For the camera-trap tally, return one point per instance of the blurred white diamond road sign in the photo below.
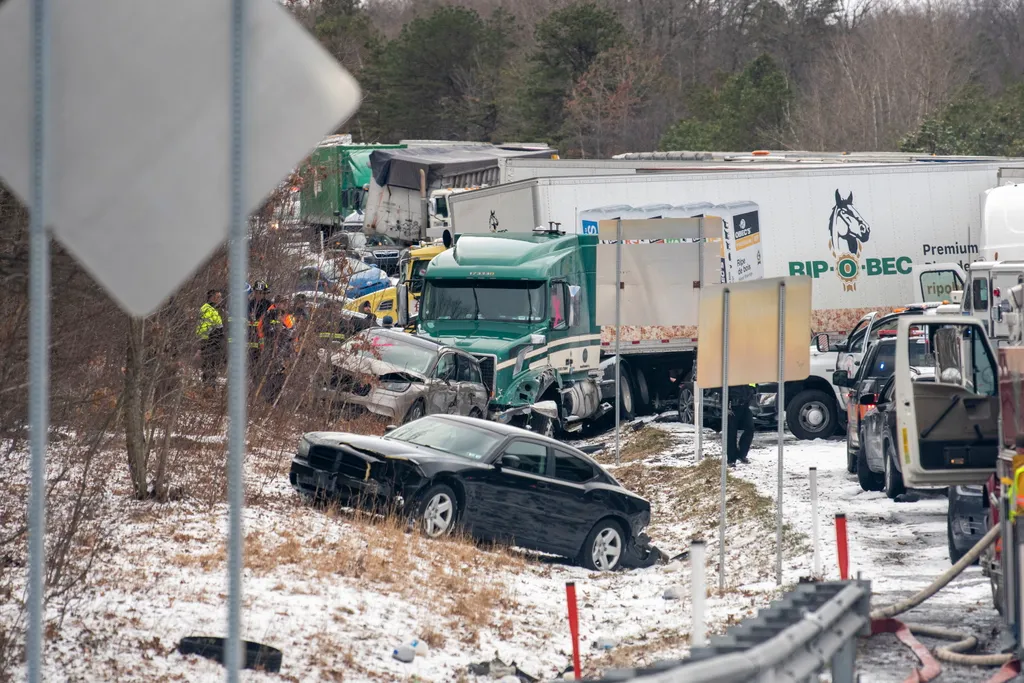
(140, 122)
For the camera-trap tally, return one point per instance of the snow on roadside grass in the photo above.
(336, 591)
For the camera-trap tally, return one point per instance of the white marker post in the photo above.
(699, 590)
(813, 479)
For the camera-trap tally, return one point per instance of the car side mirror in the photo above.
(822, 343)
(390, 428)
(868, 400)
(510, 461)
(841, 378)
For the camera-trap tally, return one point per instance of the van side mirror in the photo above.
(822, 343)
(403, 305)
(868, 400)
(841, 378)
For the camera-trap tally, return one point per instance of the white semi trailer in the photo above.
(858, 229)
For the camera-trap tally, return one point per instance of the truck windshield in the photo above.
(476, 300)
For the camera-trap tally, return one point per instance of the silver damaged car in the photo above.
(401, 377)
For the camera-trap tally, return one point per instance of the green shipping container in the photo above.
(333, 180)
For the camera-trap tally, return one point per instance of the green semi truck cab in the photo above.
(523, 304)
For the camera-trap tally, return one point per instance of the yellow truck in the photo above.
(411, 271)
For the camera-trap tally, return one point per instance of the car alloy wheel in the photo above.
(415, 412)
(438, 515)
(606, 550)
(686, 415)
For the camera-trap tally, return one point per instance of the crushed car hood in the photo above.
(372, 366)
(386, 448)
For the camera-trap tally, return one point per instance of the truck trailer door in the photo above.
(947, 428)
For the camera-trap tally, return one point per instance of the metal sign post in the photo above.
(618, 333)
(238, 267)
(39, 336)
(780, 404)
(698, 393)
(725, 436)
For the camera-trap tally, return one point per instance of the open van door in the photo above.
(947, 429)
(936, 282)
(856, 345)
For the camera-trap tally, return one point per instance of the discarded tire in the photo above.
(257, 655)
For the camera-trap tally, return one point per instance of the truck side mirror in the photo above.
(575, 301)
(841, 378)
(822, 343)
(1017, 293)
(403, 305)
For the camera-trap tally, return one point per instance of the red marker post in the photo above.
(841, 547)
(574, 628)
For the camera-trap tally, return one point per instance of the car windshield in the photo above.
(379, 240)
(393, 349)
(885, 359)
(456, 438)
(491, 300)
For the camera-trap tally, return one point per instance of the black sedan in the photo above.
(496, 482)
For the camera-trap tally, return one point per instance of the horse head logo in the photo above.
(846, 227)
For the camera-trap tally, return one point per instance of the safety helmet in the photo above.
(261, 286)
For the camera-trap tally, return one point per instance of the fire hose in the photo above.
(953, 653)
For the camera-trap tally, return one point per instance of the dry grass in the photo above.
(458, 579)
(640, 445)
(690, 493)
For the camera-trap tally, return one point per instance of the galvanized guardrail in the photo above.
(813, 627)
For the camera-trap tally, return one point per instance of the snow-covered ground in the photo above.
(900, 547)
(337, 593)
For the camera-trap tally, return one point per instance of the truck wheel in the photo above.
(542, 425)
(626, 394)
(812, 414)
(643, 391)
(954, 554)
(686, 414)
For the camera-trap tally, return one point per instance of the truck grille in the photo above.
(322, 458)
(488, 364)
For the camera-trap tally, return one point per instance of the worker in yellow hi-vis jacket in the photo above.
(210, 332)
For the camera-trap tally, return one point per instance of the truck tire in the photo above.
(628, 409)
(643, 391)
(812, 414)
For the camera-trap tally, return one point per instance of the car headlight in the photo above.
(766, 400)
(395, 386)
(303, 450)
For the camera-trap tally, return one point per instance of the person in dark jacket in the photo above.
(370, 319)
(741, 422)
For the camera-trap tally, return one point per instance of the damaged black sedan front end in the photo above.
(495, 482)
